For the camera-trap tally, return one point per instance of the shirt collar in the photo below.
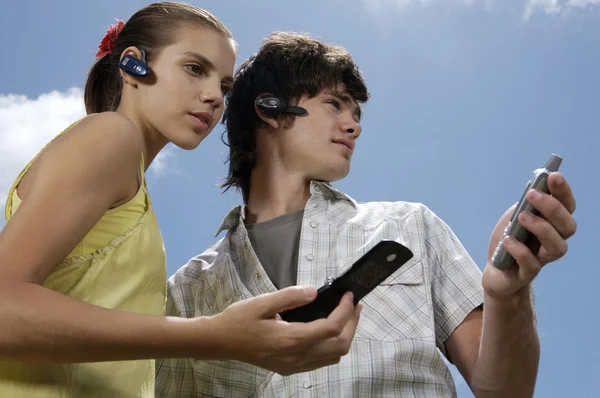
(318, 189)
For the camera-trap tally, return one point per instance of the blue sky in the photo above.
(468, 97)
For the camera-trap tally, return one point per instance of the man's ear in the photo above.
(268, 120)
(127, 78)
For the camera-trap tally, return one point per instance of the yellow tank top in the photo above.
(120, 264)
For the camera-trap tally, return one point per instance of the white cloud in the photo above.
(548, 6)
(163, 163)
(384, 7)
(27, 125)
(554, 6)
(378, 7)
(582, 3)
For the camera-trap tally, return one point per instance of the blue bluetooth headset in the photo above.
(134, 66)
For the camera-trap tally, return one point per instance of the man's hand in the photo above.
(553, 230)
(252, 332)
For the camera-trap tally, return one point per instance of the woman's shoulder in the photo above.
(110, 127)
(102, 148)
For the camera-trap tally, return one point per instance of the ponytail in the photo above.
(103, 87)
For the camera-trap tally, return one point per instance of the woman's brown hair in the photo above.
(149, 29)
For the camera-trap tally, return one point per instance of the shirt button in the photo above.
(307, 384)
(313, 223)
(309, 257)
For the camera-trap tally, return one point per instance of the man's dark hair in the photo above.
(290, 66)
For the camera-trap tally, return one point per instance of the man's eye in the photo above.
(225, 89)
(335, 103)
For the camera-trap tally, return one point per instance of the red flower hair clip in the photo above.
(108, 41)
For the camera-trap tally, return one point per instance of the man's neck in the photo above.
(275, 193)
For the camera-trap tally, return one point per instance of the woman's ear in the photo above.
(137, 53)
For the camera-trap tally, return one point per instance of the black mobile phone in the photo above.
(381, 261)
(501, 259)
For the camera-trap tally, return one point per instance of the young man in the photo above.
(296, 229)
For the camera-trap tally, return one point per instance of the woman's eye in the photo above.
(195, 68)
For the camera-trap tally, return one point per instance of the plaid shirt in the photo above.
(399, 344)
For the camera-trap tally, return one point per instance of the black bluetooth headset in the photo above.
(273, 106)
(134, 66)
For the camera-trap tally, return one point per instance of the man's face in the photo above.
(320, 144)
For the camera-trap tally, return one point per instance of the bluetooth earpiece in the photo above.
(272, 106)
(134, 66)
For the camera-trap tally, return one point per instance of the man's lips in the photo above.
(348, 143)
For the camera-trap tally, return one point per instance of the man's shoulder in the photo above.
(398, 206)
(390, 210)
(199, 266)
(415, 217)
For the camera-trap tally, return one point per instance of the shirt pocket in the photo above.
(398, 308)
(230, 379)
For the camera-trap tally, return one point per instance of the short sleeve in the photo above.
(455, 278)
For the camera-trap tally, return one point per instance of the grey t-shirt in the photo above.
(276, 243)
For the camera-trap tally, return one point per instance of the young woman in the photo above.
(82, 264)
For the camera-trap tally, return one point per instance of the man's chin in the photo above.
(333, 175)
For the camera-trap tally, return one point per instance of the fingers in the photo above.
(553, 243)
(320, 343)
(552, 229)
(322, 329)
(345, 337)
(325, 353)
(339, 345)
(499, 228)
(270, 304)
(561, 190)
(529, 265)
(343, 313)
(308, 366)
(554, 211)
(350, 329)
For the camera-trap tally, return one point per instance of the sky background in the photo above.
(468, 98)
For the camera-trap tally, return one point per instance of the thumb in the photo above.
(270, 304)
(499, 230)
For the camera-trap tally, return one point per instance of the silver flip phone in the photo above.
(501, 259)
